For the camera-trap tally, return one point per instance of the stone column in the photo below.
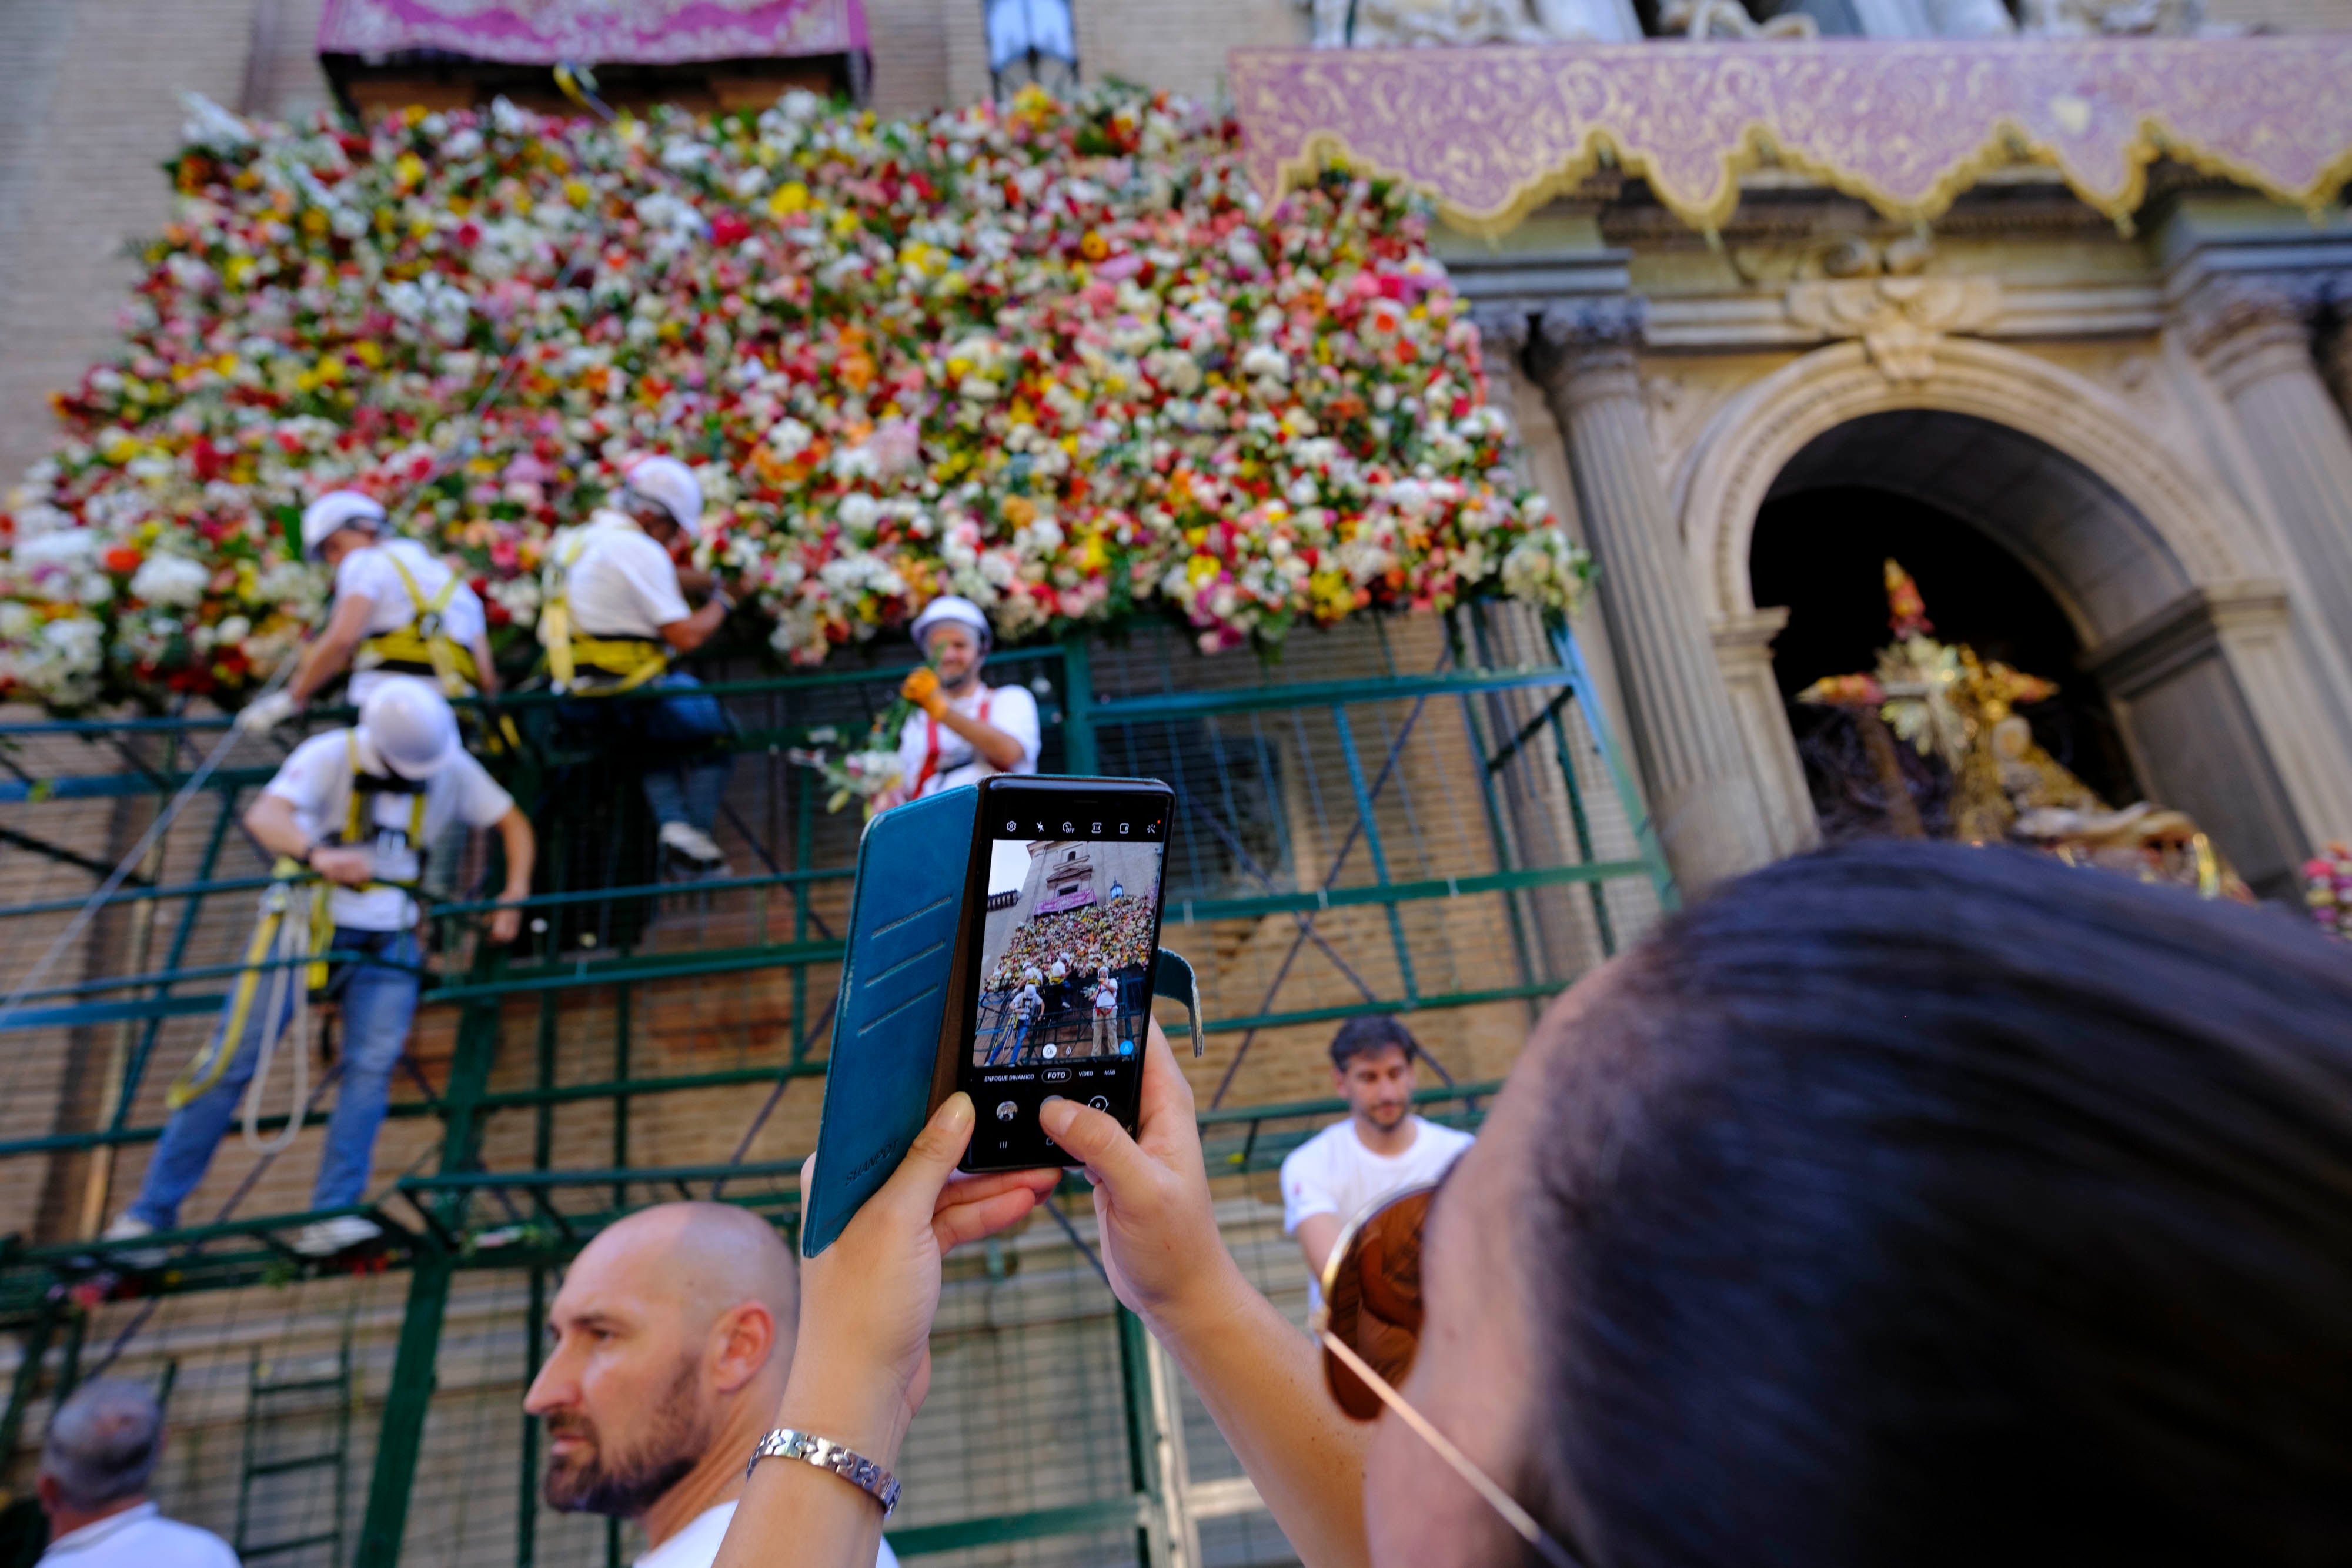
(2253, 339)
(1684, 731)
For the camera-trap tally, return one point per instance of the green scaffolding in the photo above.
(1424, 817)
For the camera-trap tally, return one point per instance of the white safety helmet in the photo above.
(337, 509)
(671, 486)
(410, 726)
(955, 607)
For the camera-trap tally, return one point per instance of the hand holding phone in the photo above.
(1059, 954)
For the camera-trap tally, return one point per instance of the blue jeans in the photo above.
(378, 1002)
(685, 773)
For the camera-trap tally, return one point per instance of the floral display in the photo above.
(2328, 890)
(1051, 355)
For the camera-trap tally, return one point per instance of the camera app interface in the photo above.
(1066, 946)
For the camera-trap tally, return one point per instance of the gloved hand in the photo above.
(922, 687)
(265, 714)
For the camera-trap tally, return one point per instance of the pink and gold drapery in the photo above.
(593, 32)
(1493, 132)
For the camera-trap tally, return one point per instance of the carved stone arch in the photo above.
(2173, 586)
(2196, 535)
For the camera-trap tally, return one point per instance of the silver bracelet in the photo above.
(859, 1471)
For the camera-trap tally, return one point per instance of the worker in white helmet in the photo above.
(357, 806)
(399, 609)
(615, 612)
(965, 730)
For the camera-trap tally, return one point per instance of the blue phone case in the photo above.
(903, 912)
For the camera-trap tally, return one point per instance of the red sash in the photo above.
(931, 746)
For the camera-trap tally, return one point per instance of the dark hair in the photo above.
(1922, 1205)
(1372, 1032)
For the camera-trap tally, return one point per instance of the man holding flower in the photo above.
(964, 730)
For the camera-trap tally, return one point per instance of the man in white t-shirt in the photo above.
(358, 806)
(615, 614)
(1381, 1149)
(102, 1446)
(672, 1342)
(1107, 1041)
(399, 609)
(966, 730)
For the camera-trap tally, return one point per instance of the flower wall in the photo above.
(1050, 355)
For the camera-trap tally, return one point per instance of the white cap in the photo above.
(410, 726)
(337, 509)
(951, 606)
(671, 486)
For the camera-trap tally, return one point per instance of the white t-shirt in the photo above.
(1107, 996)
(316, 779)
(621, 583)
(1009, 709)
(696, 1546)
(139, 1537)
(1333, 1173)
(369, 570)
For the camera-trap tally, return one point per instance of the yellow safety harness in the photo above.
(422, 645)
(630, 662)
(296, 922)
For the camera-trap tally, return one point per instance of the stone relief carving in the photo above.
(1900, 320)
(1375, 24)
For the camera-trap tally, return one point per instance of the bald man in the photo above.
(673, 1338)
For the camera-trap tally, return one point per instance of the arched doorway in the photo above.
(2171, 589)
(1820, 552)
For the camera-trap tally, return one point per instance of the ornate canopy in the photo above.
(1494, 132)
(543, 32)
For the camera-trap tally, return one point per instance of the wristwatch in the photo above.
(859, 1471)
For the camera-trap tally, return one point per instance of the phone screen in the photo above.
(1062, 943)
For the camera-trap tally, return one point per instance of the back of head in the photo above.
(1919, 1205)
(103, 1443)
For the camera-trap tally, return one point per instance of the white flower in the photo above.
(212, 128)
(1267, 362)
(171, 579)
(858, 511)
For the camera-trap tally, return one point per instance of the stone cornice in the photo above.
(1760, 319)
(2154, 649)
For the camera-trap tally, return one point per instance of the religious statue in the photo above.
(1376, 23)
(1959, 710)
(1702, 19)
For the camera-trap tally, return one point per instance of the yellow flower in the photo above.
(408, 171)
(1200, 569)
(314, 222)
(576, 193)
(790, 197)
(369, 353)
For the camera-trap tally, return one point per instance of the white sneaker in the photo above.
(131, 1228)
(695, 852)
(325, 1237)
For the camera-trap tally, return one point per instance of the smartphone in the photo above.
(1053, 983)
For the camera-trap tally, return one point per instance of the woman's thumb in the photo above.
(932, 1157)
(1094, 1138)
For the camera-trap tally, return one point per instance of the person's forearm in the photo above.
(695, 579)
(514, 833)
(486, 669)
(322, 661)
(271, 820)
(1003, 752)
(692, 633)
(1261, 1380)
(795, 1515)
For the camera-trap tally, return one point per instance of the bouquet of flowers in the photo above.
(1054, 356)
(2328, 890)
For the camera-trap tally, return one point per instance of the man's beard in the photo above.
(1386, 1117)
(625, 1486)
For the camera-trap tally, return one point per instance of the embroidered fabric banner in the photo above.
(595, 32)
(1495, 131)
